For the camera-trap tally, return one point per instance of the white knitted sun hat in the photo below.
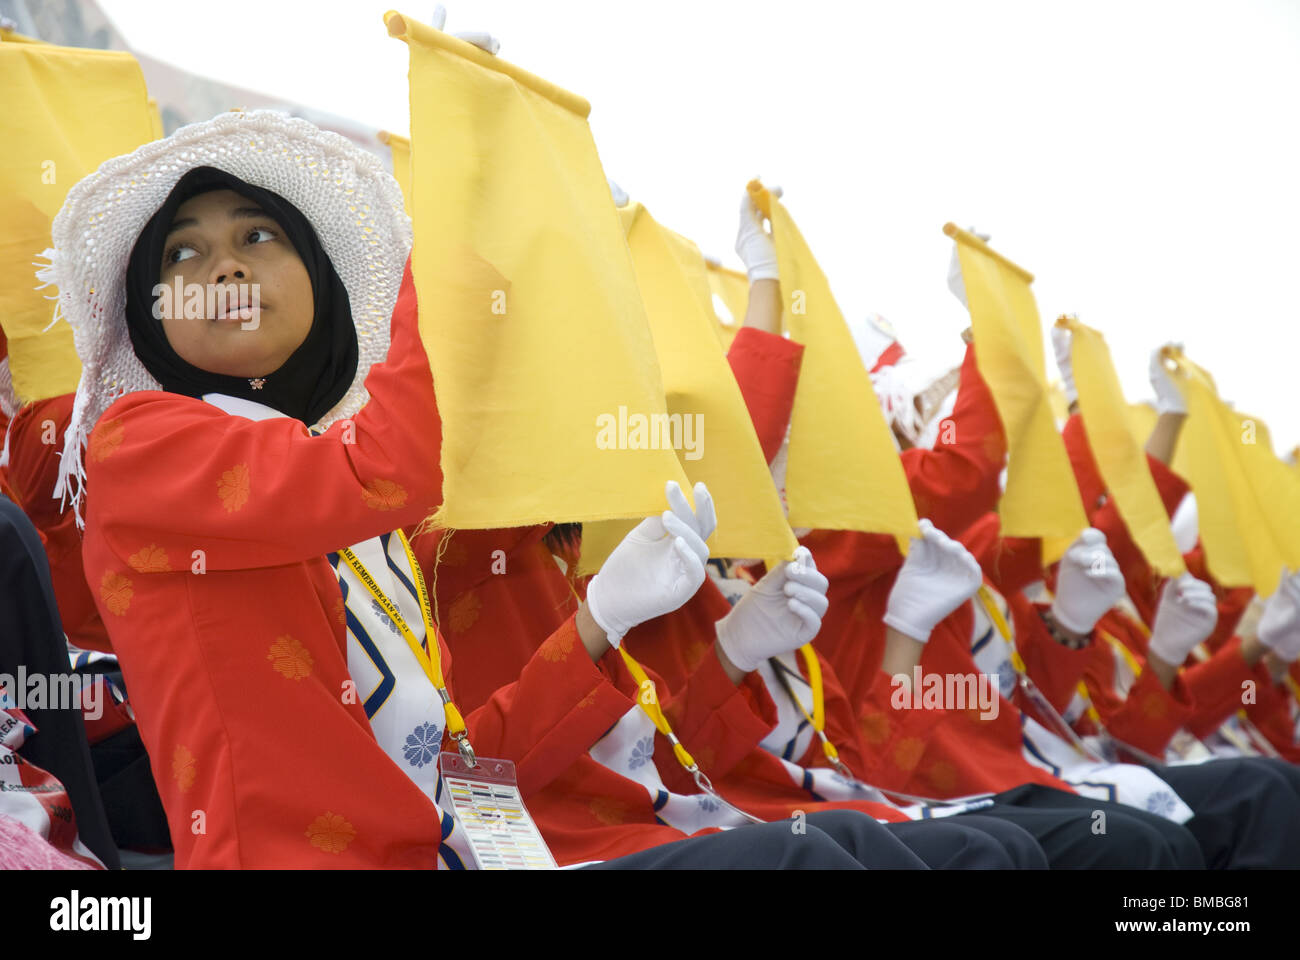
(353, 204)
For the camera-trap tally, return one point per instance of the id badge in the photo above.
(490, 811)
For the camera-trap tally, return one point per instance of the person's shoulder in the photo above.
(147, 417)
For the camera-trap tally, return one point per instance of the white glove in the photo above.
(1187, 614)
(1088, 583)
(1061, 339)
(782, 612)
(955, 281)
(1279, 627)
(484, 41)
(656, 568)
(754, 244)
(1169, 397)
(938, 576)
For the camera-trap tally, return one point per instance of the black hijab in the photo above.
(316, 375)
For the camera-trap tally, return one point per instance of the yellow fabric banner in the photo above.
(1141, 421)
(720, 445)
(400, 149)
(844, 472)
(1247, 513)
(1041, 497)
(66, 111)
(155, 120)
(548, 385)
(732, 288)
(1121, 460)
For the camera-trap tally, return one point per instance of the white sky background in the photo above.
(1141, 158)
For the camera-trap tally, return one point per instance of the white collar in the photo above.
(239, 407)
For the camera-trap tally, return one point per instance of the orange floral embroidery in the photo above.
(453, 554)
(232, 488)
(340, 611)
(1153, 706)
(608, 811)
(115, 590)
(290, 658)
(463, 613)
(184, 767)
(705, 757)
(992, 447)
(588, 701)
(105, 439)
(943, 775)
(150, 559)
(558, 647)
(908, 753)
(331, 833)
(383, 495)
(695, 654)
(875, 728)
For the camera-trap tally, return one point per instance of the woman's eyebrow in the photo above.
(238, 213)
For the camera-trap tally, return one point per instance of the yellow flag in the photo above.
(844, 472)
(1246, 514)
(704, 403)
(66, 110)
(1141, 421)
(529, 310)
(1120, 458)
(400, 148)
(155, 120)
(1041, 497)
(731, 290)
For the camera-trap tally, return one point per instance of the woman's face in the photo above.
(256, 292)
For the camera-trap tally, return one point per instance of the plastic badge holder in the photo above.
(487, 804)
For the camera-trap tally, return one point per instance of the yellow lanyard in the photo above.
(1065, 731)
(431, 659)
(818, 718)
(648, 700)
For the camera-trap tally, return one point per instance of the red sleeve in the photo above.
(1271, 714)
(1010, 563)
(766, 367)
(223, 478)
(957, 482)
(1217, 686)
(1055, 669)
(841, 725)
(718, 722)
(559, 707)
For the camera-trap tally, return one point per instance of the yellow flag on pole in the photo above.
(541, 353)
(66, 111)
(844, 472)
(1120, 458)
(1246, 512)
(1041, 497)
(703, 400)
(400, 149)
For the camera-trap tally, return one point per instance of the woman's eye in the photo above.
(174, 255)
(270, 234)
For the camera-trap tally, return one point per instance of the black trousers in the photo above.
(1247, 810)
(844, 839)
(31, 634)
(1072, 835)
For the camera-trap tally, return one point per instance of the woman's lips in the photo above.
(242, 312)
